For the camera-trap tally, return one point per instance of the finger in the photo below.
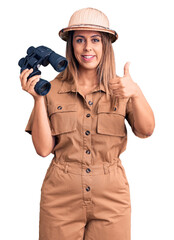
(117, 92)
(114, 81)
(126, 69)
(24, 72)
(119, 95)
(33, 83)
(24, 79)
(25, 76)
(117, 86)
(30, 80)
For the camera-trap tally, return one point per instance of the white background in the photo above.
(146, 39)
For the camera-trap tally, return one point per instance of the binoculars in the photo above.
(42, 56)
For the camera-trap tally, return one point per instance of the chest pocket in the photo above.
(111, 122)
(63, 117)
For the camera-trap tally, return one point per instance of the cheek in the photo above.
(75, 48)
(100, 53)
(75, 54)
(76, 51)
(99, 49)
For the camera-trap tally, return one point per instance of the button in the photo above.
(88, 151)
(88, 170)
(88, 115)
(90, 102)
(115, 108)
(87, 132)
(59, 107)
(88, 189)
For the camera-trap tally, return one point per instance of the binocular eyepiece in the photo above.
(42, 56)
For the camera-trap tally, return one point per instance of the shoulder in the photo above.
(56, 83)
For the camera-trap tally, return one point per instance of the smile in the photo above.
(88, 57)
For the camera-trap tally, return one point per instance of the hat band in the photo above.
(84, 25)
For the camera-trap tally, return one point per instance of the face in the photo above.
(87, 49)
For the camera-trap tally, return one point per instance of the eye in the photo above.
(95, 40)
(79, 40)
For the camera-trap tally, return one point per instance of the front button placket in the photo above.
(87, 135)
(87, 130)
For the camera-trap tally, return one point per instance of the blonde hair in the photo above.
(105, 70)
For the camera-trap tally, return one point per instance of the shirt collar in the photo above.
(70, 87)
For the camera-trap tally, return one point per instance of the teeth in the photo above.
(87, 57)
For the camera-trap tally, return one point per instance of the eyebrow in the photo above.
(91, 36)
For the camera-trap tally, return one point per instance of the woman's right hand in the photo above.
(28, 85)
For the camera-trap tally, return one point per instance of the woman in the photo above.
(85, 193)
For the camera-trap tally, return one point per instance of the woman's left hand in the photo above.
(124, 87)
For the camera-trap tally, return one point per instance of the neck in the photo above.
(87, 78)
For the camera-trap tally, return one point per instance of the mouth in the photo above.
(88, 57)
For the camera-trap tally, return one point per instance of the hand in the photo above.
(28, 85)
(124, 87)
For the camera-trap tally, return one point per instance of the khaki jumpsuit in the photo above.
(85, 193)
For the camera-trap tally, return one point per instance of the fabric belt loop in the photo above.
(66, 168)
(106, 169)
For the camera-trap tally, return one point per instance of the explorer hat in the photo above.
(88, 19)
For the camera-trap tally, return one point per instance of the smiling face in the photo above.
(87, 47)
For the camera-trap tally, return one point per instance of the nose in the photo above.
(87, 46)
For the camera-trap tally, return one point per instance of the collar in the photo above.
(66, 87)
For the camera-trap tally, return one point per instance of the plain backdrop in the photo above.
(146, 39)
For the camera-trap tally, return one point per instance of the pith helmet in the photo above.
(88, 19)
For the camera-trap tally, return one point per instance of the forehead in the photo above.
(86, 33)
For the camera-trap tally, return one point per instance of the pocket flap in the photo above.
(105, 108)
(62, 107)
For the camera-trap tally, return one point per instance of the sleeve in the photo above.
(28, 128)
(29, 124)
(130, 119)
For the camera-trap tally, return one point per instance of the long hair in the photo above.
(105, 69)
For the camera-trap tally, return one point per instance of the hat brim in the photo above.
(63, 33)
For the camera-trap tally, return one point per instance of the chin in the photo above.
(92, 67)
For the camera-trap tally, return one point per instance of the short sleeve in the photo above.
(130, 119)
(28, 128)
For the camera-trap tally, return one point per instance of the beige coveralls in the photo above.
(85, 193)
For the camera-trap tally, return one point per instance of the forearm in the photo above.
(144, 121)
(41, 133)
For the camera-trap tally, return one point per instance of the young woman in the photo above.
(85, 193)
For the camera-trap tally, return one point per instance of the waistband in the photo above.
(83, 169)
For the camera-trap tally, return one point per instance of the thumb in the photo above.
(126, 69)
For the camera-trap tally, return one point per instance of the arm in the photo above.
(139, 113)
(144, 121)
(38, 125)
(41, 133)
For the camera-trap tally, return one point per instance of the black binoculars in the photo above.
(42, 56)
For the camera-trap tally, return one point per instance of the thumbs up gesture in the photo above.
(124, 87)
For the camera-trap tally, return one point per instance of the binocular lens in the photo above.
(62, 64)
(42, 87)
(58, 62)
